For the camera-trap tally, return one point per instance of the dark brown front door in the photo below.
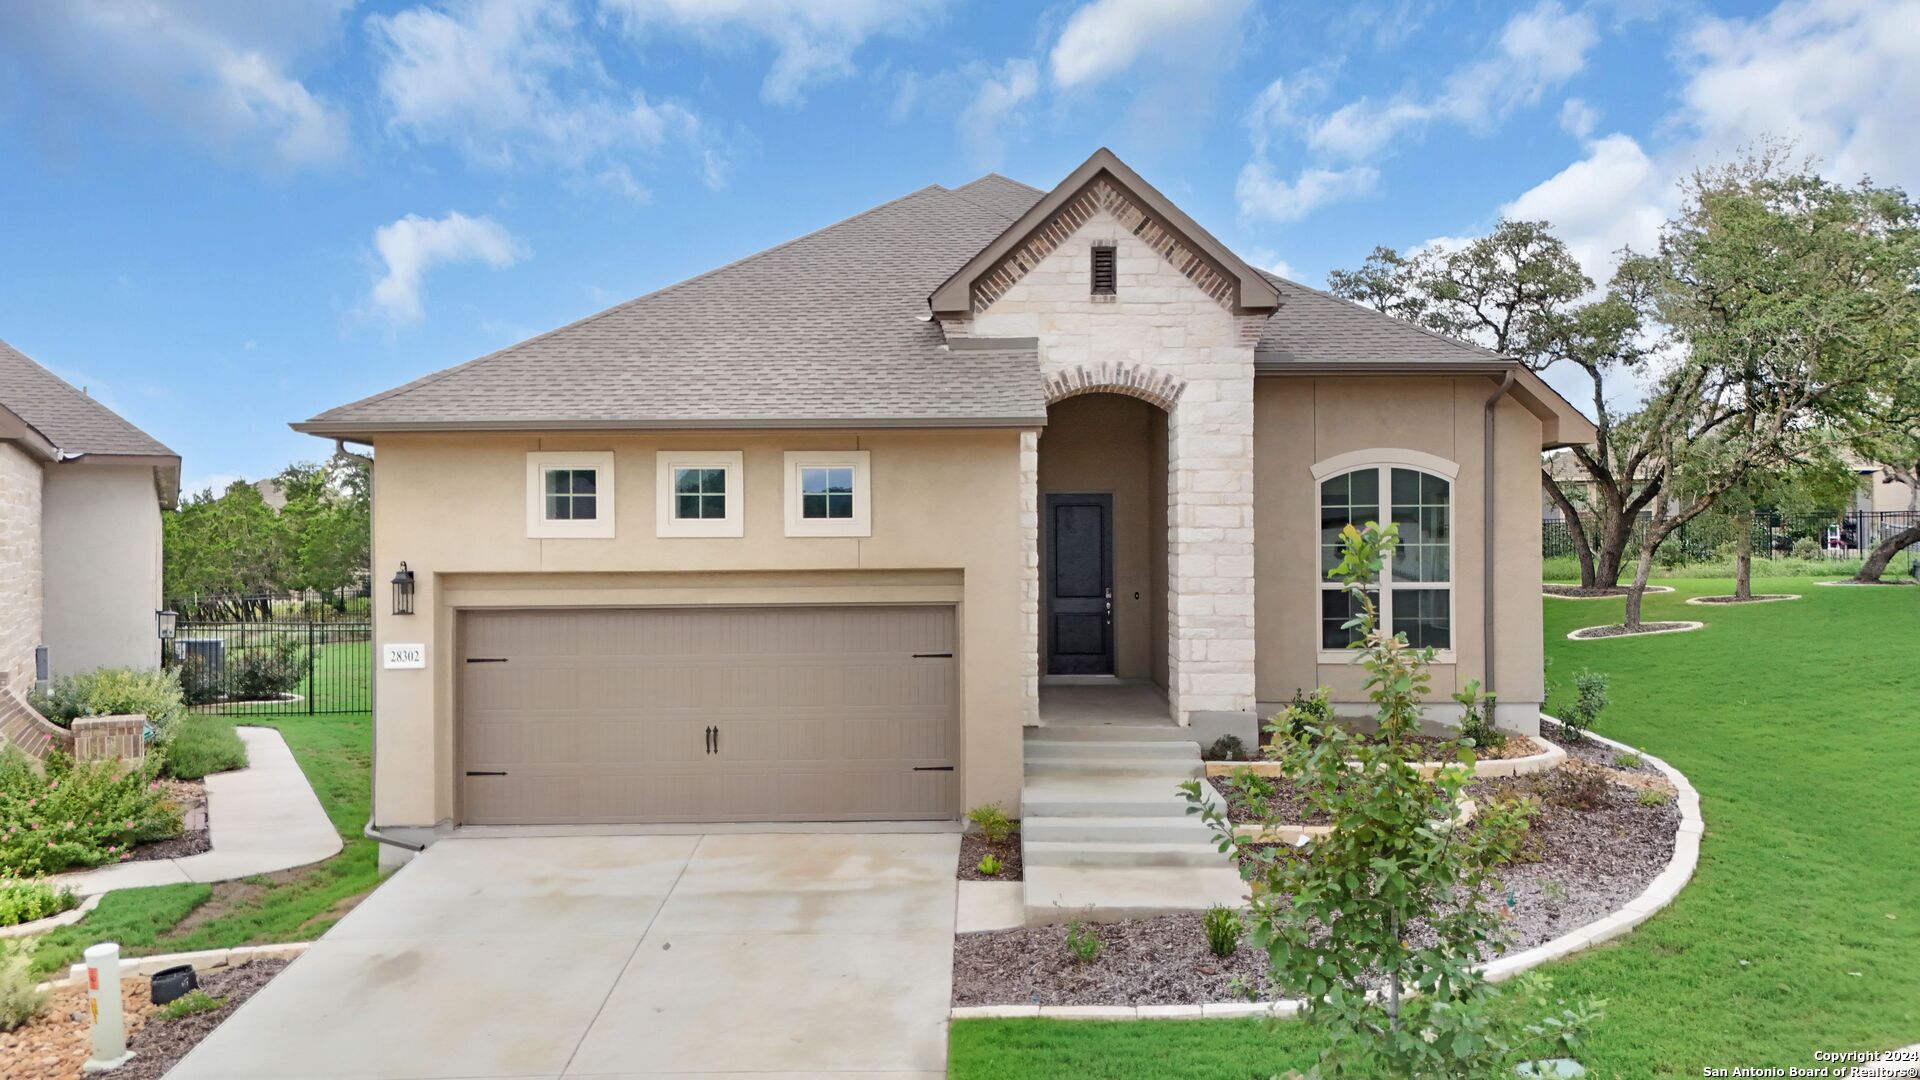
(1079, 583)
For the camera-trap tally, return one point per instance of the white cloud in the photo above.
(1106, 37)
(221, 72)
(1539, 48)
(1278, 107)
(1264, 196)
(1612, 198)
(509, 80)
(813, 40)
(1578, 117)
(994, 104)
(1269, 260)
(414, 245)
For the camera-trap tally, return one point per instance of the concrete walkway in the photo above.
(262, 818)
(781, 956)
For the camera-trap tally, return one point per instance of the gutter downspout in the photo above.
(1486, 526)
(373, 691)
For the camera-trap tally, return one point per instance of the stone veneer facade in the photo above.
(1167, 335)
(21, 571)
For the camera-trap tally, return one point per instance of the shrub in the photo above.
(1305, 714)
(1227, 748)
(198, 684)
(989, 864)
(992, 821)
(1476, 721)
(1082, 943)
(1223, 928)
(1806, 548)
(202, 743)
(1505, 825)
(73, 815)
(114, 692)
(267, 670)
(1627, 761)
(1580, 789)
(20, 1001)
(25, 901)
(1589, 701)
(194, 1001)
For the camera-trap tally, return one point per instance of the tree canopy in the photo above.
(223, 549)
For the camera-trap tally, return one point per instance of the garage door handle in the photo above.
(479, 772)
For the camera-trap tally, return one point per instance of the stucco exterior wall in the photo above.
(103, 550)
(1109, 444)
(947, 528)
(1304, 421)
(1159, 330)
(20, 564)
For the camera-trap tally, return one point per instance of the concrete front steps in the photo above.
(1105, 833)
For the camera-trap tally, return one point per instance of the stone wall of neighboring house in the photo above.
(21, 571)
(102, 566)
(1163, 338)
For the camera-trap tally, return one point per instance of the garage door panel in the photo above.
(601, 716)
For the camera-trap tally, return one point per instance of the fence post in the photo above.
(312, 690)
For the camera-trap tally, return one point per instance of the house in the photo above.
(81, 491)
(816, 534)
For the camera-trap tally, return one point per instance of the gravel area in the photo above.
(974, 847)
(1581, 592)
(162, 1043)
(1591, 849)
(1620, 630)
(1593, 753)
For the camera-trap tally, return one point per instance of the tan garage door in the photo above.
(793, 713)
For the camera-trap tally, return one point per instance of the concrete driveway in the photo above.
(783, 955)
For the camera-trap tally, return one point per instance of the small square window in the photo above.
(828, 493)
(701, 493)
(570, 495)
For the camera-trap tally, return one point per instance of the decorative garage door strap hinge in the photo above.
(484, 772)
(933, 656)
(933, 768)
(486, 659)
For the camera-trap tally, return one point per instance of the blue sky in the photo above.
(221, 216)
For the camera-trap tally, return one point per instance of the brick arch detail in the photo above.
(1149, 384)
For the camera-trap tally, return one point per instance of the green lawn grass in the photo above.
(1799, 723)
(297, 905)
(342, 671)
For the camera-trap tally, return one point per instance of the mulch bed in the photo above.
(190, 796)
(160, 1044)
(1619, 630)
(1581, 592)
(974, 847)
(1288, 801)
(1582, 864)
(1594, 753)
(53, 1045)
(1756, 598)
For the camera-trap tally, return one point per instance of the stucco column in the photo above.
(1210, 663)
(1030, 577)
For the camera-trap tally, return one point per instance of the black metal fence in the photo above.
(309, 655)
(1713, 537)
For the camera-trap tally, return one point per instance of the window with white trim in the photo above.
(570, 494)
(701, 493)
(1415, 593)
(828, 493)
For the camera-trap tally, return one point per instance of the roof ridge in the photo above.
(435, 376)
(1448, 338)
(1000, 176)
(87, 400)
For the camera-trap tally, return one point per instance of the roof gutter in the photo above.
(1486, 527)
(370, 831)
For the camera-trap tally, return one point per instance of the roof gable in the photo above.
(1104, 182)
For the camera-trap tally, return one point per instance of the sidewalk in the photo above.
(262, 818)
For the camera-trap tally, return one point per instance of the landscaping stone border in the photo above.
(1728, 601)
(1686, 627)
(134, 967)
(1657, 895)
(1866, 584)
(40, 926)
(1547, 759)
(1650, 590)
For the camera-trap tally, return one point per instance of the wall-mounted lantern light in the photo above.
(403, 591)
(165, 623)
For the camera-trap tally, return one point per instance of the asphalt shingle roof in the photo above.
(70, 420)
(830, 327)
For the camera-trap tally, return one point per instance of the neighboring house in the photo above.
(81, 491)
(272, 492)
(1884, 490)
(802, 537)
(1573, 480)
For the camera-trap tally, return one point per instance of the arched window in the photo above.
(1415, 594)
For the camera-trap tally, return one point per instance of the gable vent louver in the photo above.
(1105, 278)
